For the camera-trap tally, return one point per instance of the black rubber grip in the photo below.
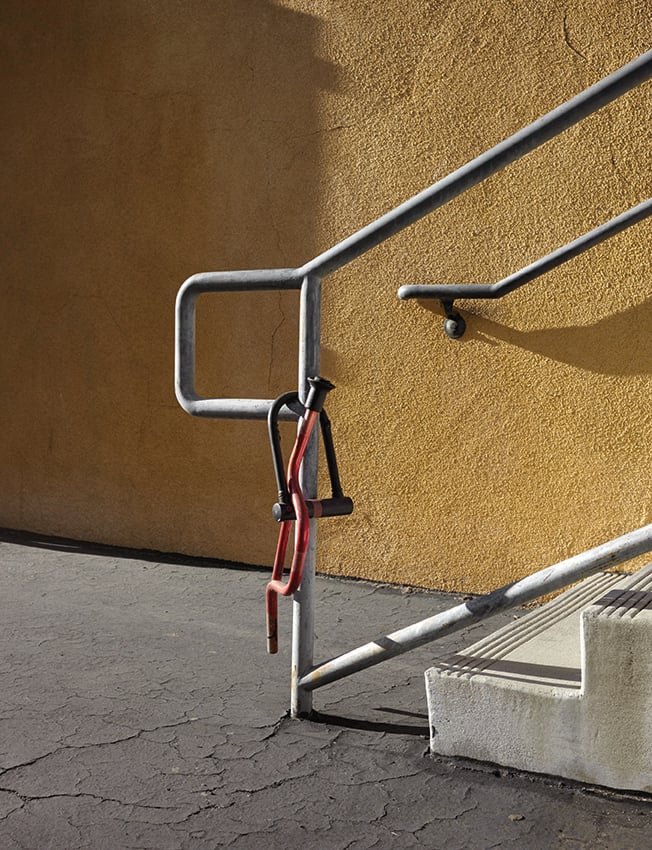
(341, 506)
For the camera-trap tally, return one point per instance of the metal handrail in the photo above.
(496, 158)
(451, 292)
(308, 278)
(479, 169)
(184, 361)
(548, 580)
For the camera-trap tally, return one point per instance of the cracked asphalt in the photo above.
(139, 711)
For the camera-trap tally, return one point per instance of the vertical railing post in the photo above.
(303, 608)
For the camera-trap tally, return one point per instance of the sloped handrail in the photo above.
(560, 575)
(477, 170)
(448, 293)
(508, 284)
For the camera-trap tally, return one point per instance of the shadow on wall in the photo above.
(618, 344)
(143, 143)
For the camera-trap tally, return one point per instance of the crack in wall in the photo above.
(274, 333)
(568, 41)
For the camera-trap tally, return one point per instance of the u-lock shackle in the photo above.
(291, 505)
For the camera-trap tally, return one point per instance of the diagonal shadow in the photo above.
(84, 547)
(618, 344)
(370, 725)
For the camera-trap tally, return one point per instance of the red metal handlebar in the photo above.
(301, 534)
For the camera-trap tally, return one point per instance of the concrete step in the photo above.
(564, 690)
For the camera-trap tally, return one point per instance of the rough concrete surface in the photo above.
(565, 690)
(139, 710)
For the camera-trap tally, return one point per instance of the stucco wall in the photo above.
(149, 141)
(145, 141)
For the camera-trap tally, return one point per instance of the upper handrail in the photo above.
(496, 158)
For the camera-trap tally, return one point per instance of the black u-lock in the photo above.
(338, 504)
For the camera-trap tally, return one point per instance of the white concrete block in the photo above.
(565, 690)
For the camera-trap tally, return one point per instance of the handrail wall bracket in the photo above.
(454, 324)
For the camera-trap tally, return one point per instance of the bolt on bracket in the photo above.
(454, 324)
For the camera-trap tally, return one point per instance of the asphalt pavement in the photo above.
(140, 711)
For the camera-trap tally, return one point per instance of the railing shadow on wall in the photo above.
(617, 344)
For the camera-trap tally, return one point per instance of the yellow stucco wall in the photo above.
(149, 141)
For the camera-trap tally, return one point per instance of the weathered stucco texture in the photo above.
(145, 142)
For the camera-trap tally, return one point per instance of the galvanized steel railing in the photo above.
(307, 278)
(520, 592)
(449, 293)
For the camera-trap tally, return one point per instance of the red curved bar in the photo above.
(301, 535)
